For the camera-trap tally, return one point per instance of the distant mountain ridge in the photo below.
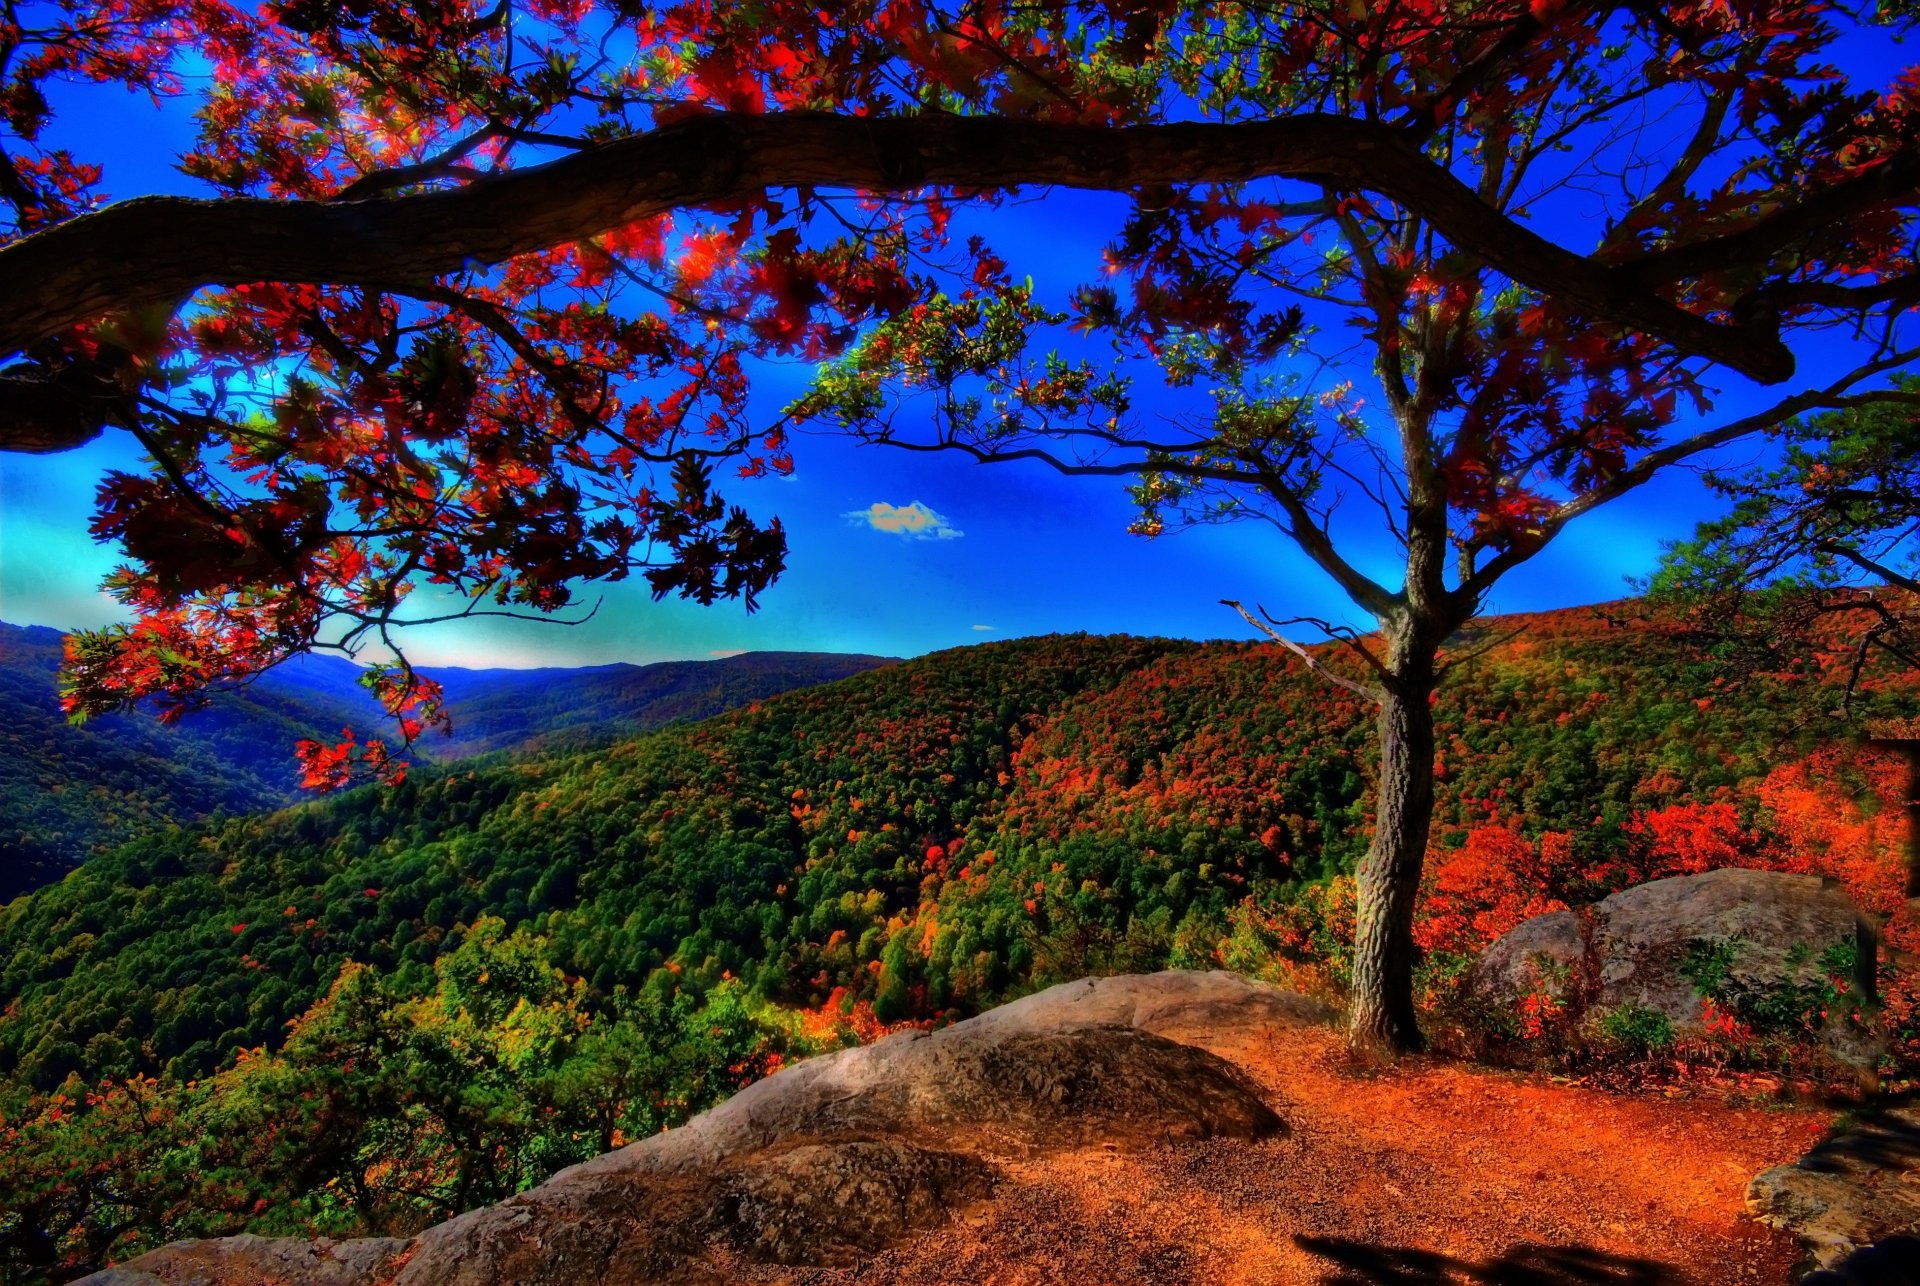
(550, 709)
(69, 792)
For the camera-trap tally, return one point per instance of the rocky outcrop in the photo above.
(1211, 1009)
(267, 1261)
(831, 1159)
(1757, 942)
(1854, 1200)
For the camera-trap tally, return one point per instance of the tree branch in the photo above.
(1316, 543)
(155, 249)
(1647, 466)
(1892, 181)
(1369, 691)
(1866, 564)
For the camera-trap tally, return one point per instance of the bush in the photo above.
(1634, 1030)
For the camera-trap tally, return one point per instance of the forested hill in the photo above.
(557, 709)
(68, 792)
(932, 835)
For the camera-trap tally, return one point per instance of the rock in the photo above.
(260, 1261)
(1183, 1005)
(1045, 1071)
(1854, 1191)
(827, 1204)
(834, 1158)
(1547, 949)
(1893, 1262)
(1763, 942)
(810, 1205)
(980, 1088)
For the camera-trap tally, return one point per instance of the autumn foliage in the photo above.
(909, 845)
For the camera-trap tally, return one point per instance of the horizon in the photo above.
(1485, 618)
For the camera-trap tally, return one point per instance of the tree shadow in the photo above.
(1892, 1262)
(1878, 1138)
(1365, 1264)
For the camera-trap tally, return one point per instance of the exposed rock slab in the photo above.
(1852, 1192)
(1775, 932)
(1191, 1007)
(982, 1090)
(263, 1261)
(817, 1204)
(833, 1158)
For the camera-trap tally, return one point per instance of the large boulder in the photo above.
(833, 1158)
(1765, 946)
(812, 1204)
(266, 1261)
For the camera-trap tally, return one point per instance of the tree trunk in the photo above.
(1382, 1000)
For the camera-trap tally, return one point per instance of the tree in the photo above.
(423, 357)
(1822, 538)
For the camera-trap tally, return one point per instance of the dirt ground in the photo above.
(1432, 1173)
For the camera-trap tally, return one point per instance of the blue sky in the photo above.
(986, 552)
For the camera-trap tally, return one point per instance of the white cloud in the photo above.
(914, 521)
(984, 629)
(723, 652)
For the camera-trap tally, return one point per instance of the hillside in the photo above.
(367, 1014)
(558, 709)
(931, 836)
(67, 793)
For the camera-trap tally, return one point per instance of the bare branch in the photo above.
(1347, 638)
(1866, 564)
(1371, 692)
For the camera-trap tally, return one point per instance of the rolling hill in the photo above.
(365, 1014)
(931, 836)
(68, 793)
(558, 709)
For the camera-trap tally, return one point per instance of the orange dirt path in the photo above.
(1427, 1174)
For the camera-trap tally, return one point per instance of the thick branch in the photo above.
(153, 249)
(1316, 543)
(38, 416)
(1866, 564)
(1901, 291)
(1892, 182)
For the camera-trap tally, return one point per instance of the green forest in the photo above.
(70, 791)
(368, 1012)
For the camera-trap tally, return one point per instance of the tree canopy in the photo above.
(1819, 547)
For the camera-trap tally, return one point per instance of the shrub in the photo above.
(1634, 1030)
